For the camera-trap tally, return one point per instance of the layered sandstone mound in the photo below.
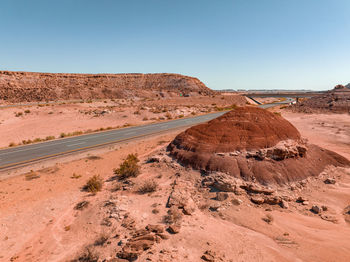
(253, 144)
(334, 101)
(26, 86)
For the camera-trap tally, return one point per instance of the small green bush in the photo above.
(129, 168)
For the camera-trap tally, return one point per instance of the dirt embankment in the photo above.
(30, 87)
(252, 144)
(333, 101)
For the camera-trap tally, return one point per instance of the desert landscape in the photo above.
(251, 185)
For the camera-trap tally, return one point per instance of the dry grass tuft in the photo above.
(32, 175)
(101, 239)
(268, 218)
(148, 186)
(94, 184)
(81, 205)
(89, 255)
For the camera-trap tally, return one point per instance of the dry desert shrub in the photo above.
(103, 237)
(268, 218)
(89, 255)
(81, 205)
(93, 157)
(94, 184)
(75, 176)
(129, 168)
(148, 186)
(32, 175)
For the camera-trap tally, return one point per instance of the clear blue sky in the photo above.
(249, 44)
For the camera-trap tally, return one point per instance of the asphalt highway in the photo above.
(22, 155)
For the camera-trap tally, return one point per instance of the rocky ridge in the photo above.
(32, 87)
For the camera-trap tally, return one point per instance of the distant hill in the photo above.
(30, 87)
(336, 100)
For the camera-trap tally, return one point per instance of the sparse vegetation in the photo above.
(18, 114)
(232, 107)
(81, 205)
(129, 168)
(94, 184)
(32, 175)
(75, 176)
(148, 186)
(101, 239)
(268, 218)
(88, 256)
(94, 157)
(27, 111)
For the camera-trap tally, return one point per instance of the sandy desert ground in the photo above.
(40, 220)
(26, 124)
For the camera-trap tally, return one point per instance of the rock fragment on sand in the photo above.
(174, 229)
(316, 209)
(284, 204)
(257, 200)
(221, 196)
(330, 180)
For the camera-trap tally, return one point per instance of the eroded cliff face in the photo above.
(29, 87)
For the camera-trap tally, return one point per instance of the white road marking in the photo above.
(76, 144)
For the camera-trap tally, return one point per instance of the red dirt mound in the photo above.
(245, 128)
(253, 144)
(30, 87)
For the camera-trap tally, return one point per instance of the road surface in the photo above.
(18, 156)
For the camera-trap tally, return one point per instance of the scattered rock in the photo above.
(253, 188)
(153, 159)
(257, 200)
(316, 209)
(236, 201)
(221, 196)
(330, 181)
(273, 200)
(174, 229)
(155, 228)
(329, 218)
(284, 204)
(128, 255)
(81, 205)
(190, 207)
(209, 256)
